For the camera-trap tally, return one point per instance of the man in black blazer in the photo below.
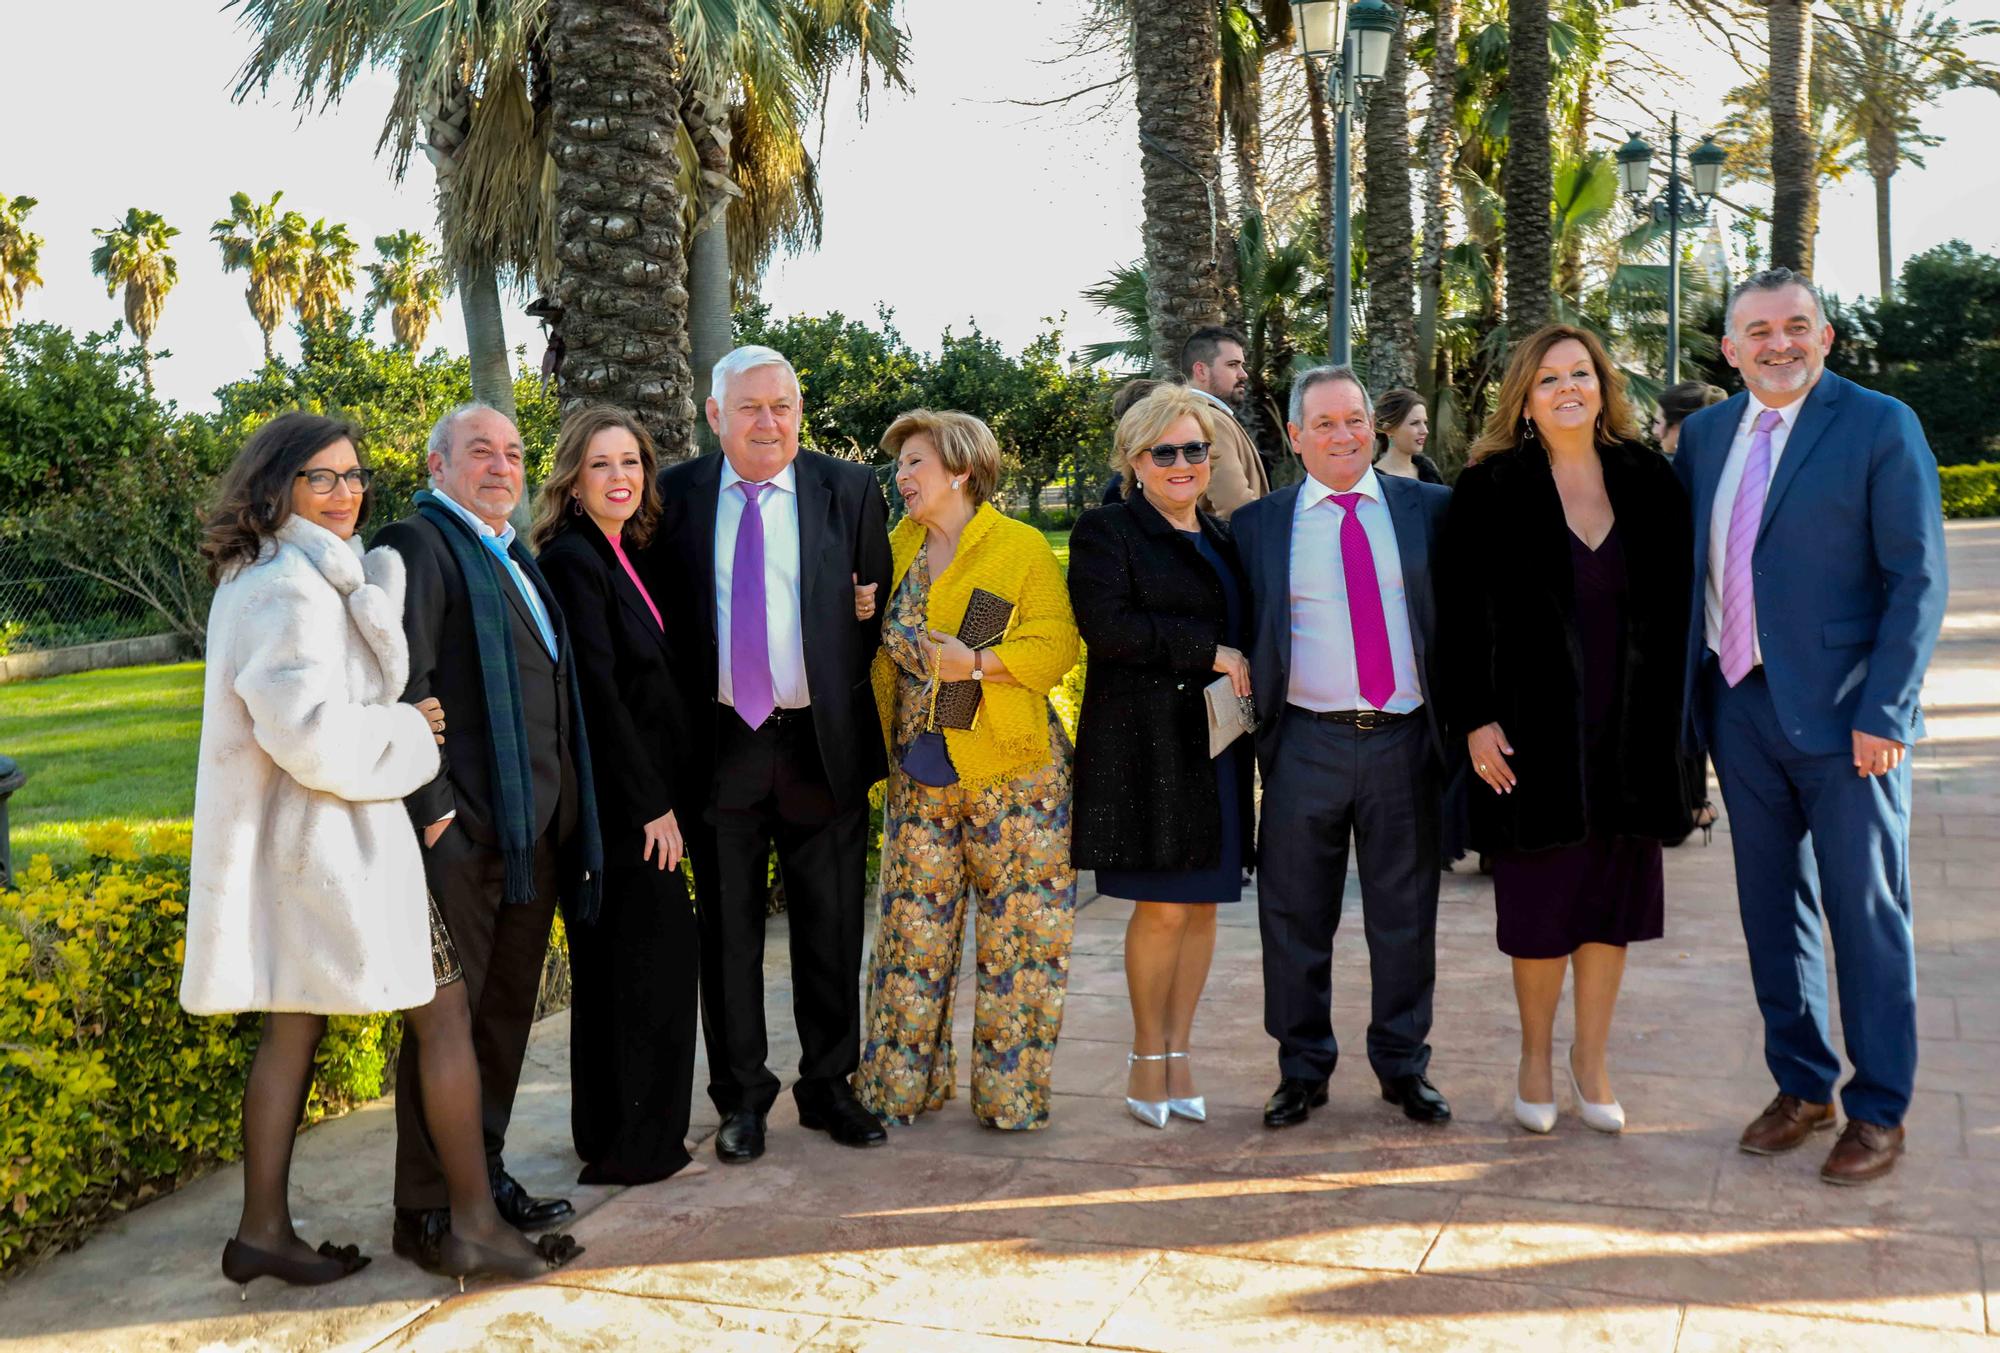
(1343, 626)
(786, 739)
(475, 467)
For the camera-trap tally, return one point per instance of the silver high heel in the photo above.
(1603, 1117)
(1194, 1108)
(1151, 1112)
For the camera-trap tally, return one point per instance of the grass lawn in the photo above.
(96, 745)
(1059, 542)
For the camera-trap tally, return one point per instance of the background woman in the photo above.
(1564, 604)
(1402, 429)
(1676, 403)
(632, 1013)
(1159, 599)
(985, 807)
(306, 894)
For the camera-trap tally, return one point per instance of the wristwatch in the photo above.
(978, 670)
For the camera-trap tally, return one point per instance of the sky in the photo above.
(950, 204)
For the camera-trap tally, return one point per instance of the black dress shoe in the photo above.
(841, 1117)
(522, 1212)
(1419, 1099)
(419, 1235)
(1293, 1102)
(740, 1138)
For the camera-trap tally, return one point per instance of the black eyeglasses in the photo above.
(322, 481)
(1164, 456)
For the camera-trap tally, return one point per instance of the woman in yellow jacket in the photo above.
(978, 631)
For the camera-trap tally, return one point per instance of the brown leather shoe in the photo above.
(1784, 1126)
(1865, 1151)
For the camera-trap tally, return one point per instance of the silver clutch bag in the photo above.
(1230, 715)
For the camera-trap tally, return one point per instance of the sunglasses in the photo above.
(1164, 456)
(322, 481)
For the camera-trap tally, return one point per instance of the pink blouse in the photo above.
(631, 573)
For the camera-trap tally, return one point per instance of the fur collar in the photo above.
(372, 585)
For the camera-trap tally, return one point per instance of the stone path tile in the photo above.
(1199, 1303)
(1940, 1194)
(1707, 1329)
(1847, 1273)
(867, 1336)
(545, 1316)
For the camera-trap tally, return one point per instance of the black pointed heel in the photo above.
(461, 1258)
(244, 1264)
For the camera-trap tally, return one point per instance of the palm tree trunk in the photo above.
(1526, 178)
(711, 333)
(1176, 70)
(486, 338)
(1794, 180)
(614, 117)
(269, 355)
(1320, 116)
(146, 364)
(1884, 159)
(1387, 229)
(1440, 137)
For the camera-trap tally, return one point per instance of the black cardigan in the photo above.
(631, 704)
(1151, 613)
(1511, 653)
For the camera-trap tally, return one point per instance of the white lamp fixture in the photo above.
(1373, 25)
(1318, 23)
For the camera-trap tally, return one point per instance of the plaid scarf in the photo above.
(513, 773)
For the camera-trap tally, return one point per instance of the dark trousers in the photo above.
(1324, 781)
(501, 947)
(632, 1025)
(1811, 836)
(771, 789)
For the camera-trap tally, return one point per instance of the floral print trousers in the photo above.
(1009, 844)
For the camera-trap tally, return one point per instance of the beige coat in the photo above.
(1237, 474)
(306, 889)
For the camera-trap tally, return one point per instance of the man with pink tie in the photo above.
(1342, 626)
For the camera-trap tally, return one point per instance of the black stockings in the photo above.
(274, 1100)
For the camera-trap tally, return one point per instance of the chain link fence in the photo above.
(44, 605)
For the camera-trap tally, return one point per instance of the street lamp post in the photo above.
(1357, 56)
(1673, 208)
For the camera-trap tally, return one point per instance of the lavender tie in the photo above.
(749, 639)
(1746, 515)
(1372, 663)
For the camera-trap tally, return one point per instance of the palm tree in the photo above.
(1889, 61)
(20, 252)
(1794, 180)
(1526, 176)
(1440, 142)
(1175, 69)
(269, 245)
(134, 254)
(326, 271)
(410, 282)
(1387, 231)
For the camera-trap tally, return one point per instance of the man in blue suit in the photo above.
(1343, 624)
(1819, 588)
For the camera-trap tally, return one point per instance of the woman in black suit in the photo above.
(1564, 600)
(1159, 597)
(632, 1011)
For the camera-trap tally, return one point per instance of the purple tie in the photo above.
(749, 639)
(1364, 606)
(1739, 595)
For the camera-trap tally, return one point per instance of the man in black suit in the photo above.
(1343, 626)
(475, 468)
(767, 545)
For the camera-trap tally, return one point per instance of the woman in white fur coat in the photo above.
(306, 894)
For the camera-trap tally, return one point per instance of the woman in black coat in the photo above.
(1564, 600)
(632, 1007)
(1160, 600)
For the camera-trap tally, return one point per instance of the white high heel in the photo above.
(1539, 1118)
(1194, 1108)
(1151, 1112)
(1603, 1117)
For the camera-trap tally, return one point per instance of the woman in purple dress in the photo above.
(1564, 599)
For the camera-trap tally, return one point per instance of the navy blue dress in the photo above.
(1224, 881)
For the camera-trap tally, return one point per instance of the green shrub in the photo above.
(110, 1093)
(1971, 490)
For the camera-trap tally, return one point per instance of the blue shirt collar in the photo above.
(506, 537)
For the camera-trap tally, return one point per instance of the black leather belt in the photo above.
(777, 718)
(1363, 719)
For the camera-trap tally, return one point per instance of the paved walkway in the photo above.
(1356, 1230)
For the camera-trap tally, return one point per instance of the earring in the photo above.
(957, 480)
(575, 505)
(1527, 431)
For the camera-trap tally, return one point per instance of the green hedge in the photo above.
(110, 1093)
(1971, 490)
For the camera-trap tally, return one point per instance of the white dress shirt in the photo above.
(1324, 674)
(778, 506)
(1725, 505)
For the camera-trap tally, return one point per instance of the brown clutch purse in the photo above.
(987, 615)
